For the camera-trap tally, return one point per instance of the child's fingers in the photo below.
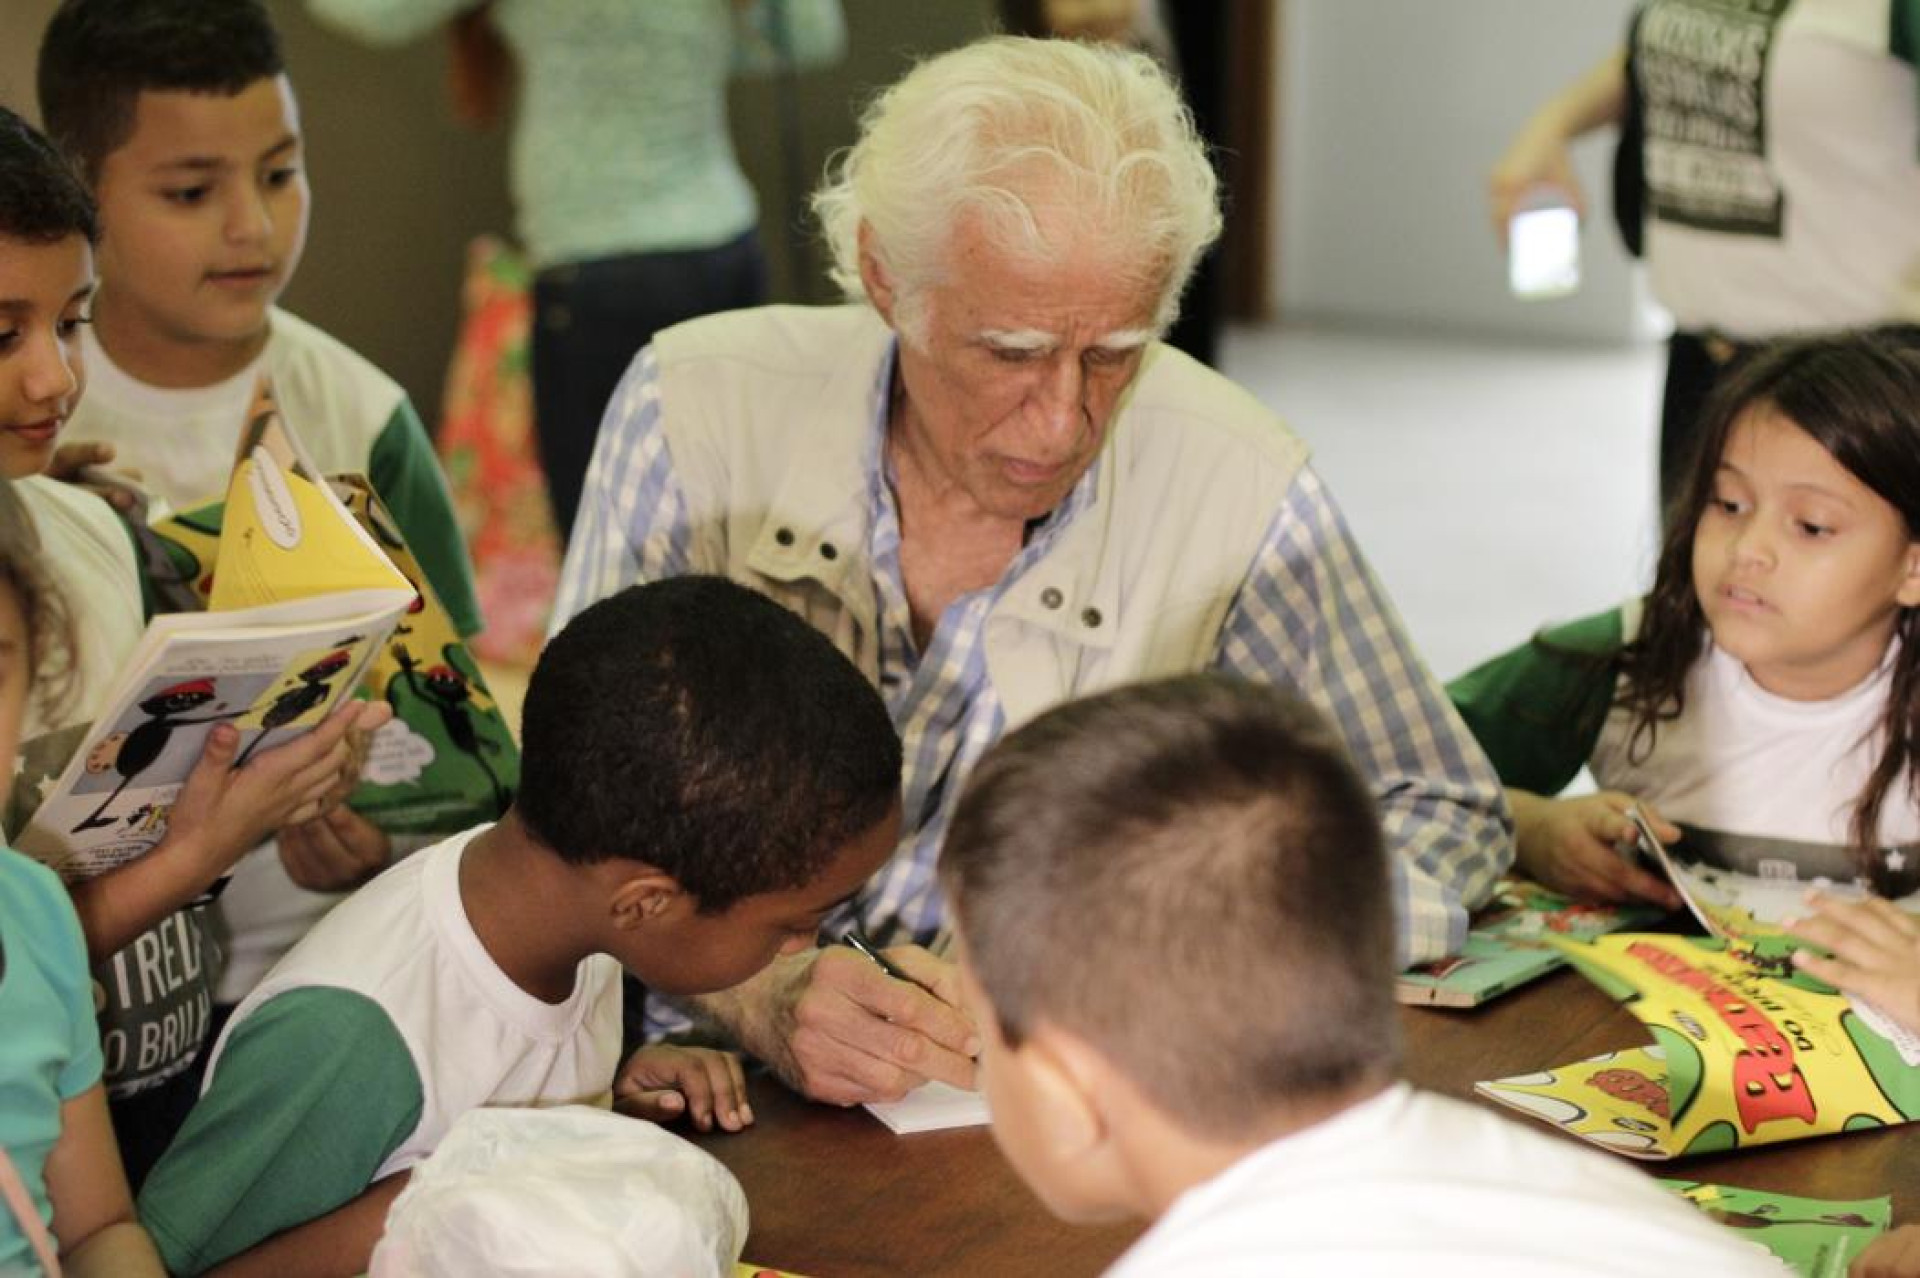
(737, 1078)
(1595, 870)
(314, 783)
(1876, 985)
(698, 1078)
(727, 1087)
(1889, 920)
(217, 755)
(295, 854)
(1856, 928)
(655, 1104)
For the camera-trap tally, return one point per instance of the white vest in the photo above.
(768, 415)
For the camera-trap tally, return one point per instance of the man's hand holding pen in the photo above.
(837, 1028)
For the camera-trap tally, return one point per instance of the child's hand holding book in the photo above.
(1876, 953)
(1583, 847)
(221, 812)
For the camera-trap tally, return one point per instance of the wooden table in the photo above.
(836, 1195)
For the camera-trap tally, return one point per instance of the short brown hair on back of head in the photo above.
(1189, 876)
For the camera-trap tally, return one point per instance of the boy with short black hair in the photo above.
(181, 116)
(705, 777)
(1178, 946)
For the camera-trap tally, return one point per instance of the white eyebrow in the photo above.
(1020, 339)
(1127, 339)
(1034, 339)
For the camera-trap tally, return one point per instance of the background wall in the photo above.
(399, 188)
(1392, 112)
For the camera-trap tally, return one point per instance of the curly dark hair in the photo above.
(1858, 396)
(701, 727)
(99, 56)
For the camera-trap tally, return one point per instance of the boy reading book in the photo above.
(704, 777)
(180, 115)
(146, 935)
(1177, 942)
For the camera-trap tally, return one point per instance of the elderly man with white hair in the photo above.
(994, 488)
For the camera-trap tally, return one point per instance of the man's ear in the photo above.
(644, 894)
(876, 278)
(1908, 595)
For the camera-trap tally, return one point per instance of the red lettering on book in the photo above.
(1768, 1084)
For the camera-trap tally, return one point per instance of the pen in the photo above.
(859, 944)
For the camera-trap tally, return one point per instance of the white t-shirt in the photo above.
(1413, 1183)
(182, 440)
(1762, 784)
(1783, 164)
(475, 1038)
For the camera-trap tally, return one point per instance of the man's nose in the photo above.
(1060, 400)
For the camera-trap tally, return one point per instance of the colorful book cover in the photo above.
(1509, 945)
(1816, 1237)
(308, 602)
(447, 760)
(1747, 1051)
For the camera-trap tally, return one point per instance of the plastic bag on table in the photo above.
(573, 1191)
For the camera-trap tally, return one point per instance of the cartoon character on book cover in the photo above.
(447, 760)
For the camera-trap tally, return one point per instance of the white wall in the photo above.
(1391, 114)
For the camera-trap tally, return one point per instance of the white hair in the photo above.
(1094, 137)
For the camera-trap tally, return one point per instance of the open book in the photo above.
(301, 599)
(447, 760)
(1509, 945)
(1747, 1050)
(1733, 904)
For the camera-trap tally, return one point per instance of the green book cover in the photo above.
(1507, 946)
(1816, 1237)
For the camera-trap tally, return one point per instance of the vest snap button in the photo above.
(829, 551)
(1091, 617)
(784, 536)
(1051, 598)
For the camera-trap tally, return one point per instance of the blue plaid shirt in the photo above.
(1309, 616)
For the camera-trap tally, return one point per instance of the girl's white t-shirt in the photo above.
(1762, 783)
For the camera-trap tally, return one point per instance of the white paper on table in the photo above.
(932, 1107)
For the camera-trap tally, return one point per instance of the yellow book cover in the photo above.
(303, 600)
(286, 536)
(1746, 1051)
(447, 760)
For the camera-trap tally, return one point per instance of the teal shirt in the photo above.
(620, 141)
(49, 1047)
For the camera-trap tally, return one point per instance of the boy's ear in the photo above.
(1069, 1079)
(874, 275)
(643, 895)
